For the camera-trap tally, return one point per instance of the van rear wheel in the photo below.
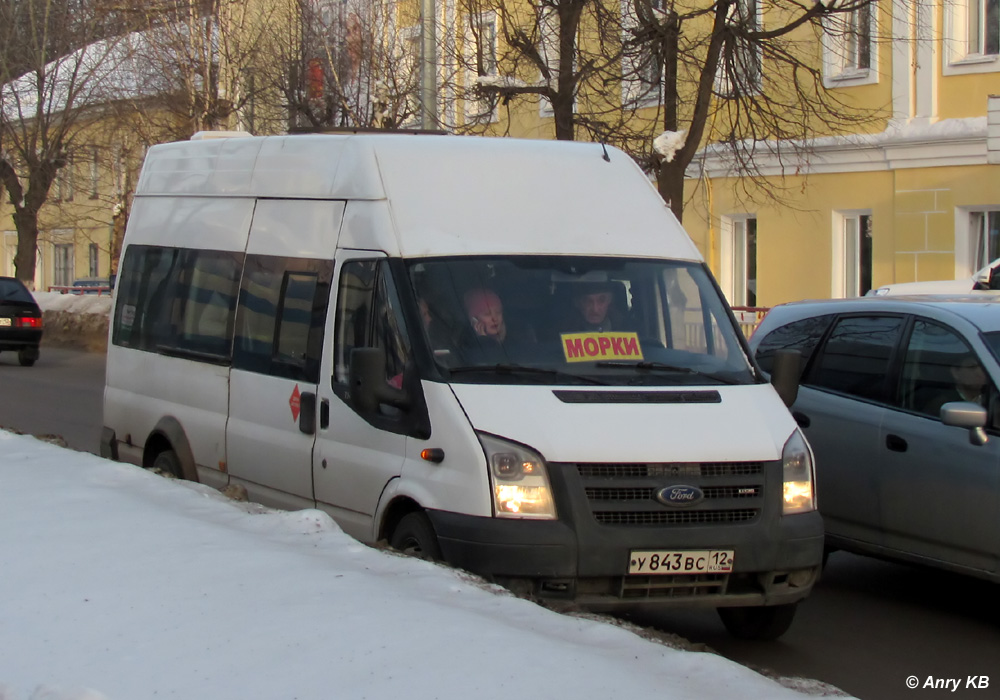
(167, 464)
(414, 535)
(758, 622)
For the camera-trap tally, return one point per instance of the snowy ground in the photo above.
(120, 584)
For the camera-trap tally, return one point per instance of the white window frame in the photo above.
(846, 268)
(63, 263)
(722, 83)
(646, 90)
(548, 46)
(962, 53)
(733, 258)
(970, 243)
(474, 108)
(842, 42)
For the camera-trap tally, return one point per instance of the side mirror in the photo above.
(965, 414)
(785, 373)
(368, 385)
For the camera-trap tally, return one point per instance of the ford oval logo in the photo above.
(680, 495)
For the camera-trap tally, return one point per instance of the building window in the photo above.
(63, 270)
(972, 36)
(984, 230)
(642, 65)
(982, 27)
(739, 70)
(852, 255)
(739, 260)
(92, 266)
(64, 183)
(848, 49)
(94, 174)
(481, 65)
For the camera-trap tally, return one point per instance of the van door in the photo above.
(357, 456)
(278, 347)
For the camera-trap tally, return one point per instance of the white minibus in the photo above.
(503, 354)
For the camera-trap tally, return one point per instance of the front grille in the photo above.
(625, 494)
(680, 469)
(649, 493)
(676, 517)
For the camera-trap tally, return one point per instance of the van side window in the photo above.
(280, 318)
(178, 301)
(855, 359)
(802, 335)
(368, 316)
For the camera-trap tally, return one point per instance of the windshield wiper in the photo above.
(662, 367)
(506, 368)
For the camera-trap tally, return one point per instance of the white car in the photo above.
(986, 279)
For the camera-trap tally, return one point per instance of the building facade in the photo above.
(915, 198)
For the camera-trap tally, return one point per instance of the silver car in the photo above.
(898, 398)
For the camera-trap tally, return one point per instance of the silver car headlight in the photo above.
(797, 464)
(519, 480)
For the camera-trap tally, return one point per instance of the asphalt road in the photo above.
(868, 626)
(62, 394)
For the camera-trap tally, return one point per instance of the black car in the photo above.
(20, 321)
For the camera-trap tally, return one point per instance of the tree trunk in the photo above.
(670, 183)
(26, 223)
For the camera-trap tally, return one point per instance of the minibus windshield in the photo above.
(576, 320)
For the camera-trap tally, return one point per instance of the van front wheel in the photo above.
(414, 535)
(167, 464)
(758, 622)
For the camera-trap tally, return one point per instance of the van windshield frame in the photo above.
(574, 320)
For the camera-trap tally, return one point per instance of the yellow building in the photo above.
(916, 199)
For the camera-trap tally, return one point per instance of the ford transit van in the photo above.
(503, 354)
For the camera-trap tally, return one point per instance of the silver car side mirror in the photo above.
(965, 414)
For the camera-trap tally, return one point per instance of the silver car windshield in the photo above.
(573, 320)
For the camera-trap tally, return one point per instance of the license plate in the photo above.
(4, 321)
(704, 561)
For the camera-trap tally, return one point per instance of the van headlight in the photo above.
(519, 480)
(797, 463)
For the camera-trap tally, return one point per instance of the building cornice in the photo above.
(916, 144)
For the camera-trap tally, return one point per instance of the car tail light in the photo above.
(28, 322)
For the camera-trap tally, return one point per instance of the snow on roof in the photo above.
(112, 69)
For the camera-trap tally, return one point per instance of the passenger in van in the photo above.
(486, 317)
(485, 311)
(594, 309)
(441, 343)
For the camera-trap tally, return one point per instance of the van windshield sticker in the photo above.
(588, 347)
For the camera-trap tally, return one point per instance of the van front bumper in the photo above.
(542, 559)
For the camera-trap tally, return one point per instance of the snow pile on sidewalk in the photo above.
(75, 320)
(121, 585)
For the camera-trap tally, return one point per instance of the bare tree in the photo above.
(350, 65)
(45, 96)
(693, 72)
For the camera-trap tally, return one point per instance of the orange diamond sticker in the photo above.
(295, 402)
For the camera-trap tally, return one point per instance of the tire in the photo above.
(27, 356)
(414, 535)
(167, 464)
(758, 622)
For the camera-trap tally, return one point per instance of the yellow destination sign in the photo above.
(588, 347)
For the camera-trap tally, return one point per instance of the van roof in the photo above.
(447, 195)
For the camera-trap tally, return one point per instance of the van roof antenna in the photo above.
(606, 156)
